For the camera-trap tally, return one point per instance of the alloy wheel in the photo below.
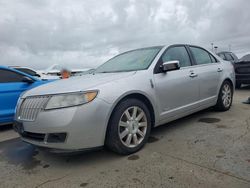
(132, 126)
(226, 95)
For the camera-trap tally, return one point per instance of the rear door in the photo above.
(11, 86)
(177, 91)
(209, 71)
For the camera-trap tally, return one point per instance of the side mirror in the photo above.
(37, 75)
(27, 80)
(170, 66)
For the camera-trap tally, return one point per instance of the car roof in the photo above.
(167, 45)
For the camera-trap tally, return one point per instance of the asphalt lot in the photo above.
(207, 149)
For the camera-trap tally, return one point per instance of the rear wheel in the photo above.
(225, 97)
(129, 127)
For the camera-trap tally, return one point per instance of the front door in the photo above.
(177, 91)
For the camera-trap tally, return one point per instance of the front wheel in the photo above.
(225, 97)
(129, 127)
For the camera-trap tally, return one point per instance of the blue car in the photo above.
(12, 84)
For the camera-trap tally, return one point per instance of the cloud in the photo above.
(85, 33)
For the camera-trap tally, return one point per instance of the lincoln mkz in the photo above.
(119, 104)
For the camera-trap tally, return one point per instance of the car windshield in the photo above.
(130, 61)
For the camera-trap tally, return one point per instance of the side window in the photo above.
(234, 57)
(214, 60)
(177, 53)
(229, 57)
(7, 76)
(201, 56)
(222, 56)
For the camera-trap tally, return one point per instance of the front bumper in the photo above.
(84, 126)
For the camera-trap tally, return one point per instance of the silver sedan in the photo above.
(119, 104)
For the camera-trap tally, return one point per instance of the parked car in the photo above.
(229, 56)
(241, 66)
(34, 73)
(12, 84)
(245, 58)
(128, 95)
(55, 70)
(27, 71)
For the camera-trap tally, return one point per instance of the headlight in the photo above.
(70, 99)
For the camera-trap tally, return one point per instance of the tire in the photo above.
(225, 97)
(121, 129)
(238, 85)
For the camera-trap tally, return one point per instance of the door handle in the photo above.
(193, 75)
(219, 70)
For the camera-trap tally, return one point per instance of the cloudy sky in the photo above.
(85, 33)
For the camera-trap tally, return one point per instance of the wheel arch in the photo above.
(145, 100)
(219, 106)
(226, 79)
(231, 82)
(133, 95)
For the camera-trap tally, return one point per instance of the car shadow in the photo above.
(244, 87)
(17, 152)
(6, 127)
(176, 124)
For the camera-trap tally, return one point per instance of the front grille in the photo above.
(31, 106)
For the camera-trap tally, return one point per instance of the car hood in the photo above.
(79, 83)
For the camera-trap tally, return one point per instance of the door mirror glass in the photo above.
(27, 80)
(170, 66)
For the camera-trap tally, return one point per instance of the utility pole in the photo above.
(212, 45)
